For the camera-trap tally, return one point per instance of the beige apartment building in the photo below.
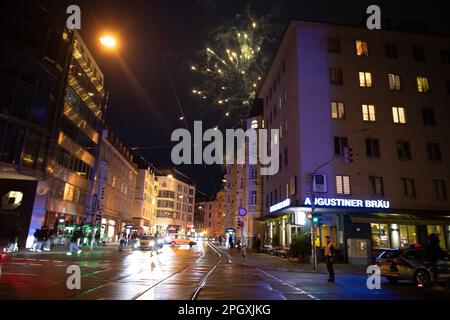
(146, 194)
(381, 95)
(176, 201)
(244, 187)
(215, 215)
(117, 183)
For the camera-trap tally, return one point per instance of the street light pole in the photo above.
(93, 196)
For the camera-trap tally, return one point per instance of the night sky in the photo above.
(143, 110)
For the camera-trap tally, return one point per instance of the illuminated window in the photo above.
(368, 112)
(362, 49)
(439, 230)
(337, 110)
(394, 82)
(408, 235)
(68, 192)
(254, 124)
(422, 84)
(343, 185)
(365, 79)
(380, 235)
(398, 115)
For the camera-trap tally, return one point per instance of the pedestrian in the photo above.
(97, 237)
(35, 241)
(40, 239)
(434, 254)
(258, 244)
(77, 234)
(329, 256)
(230, 240)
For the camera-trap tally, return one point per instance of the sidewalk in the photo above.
(65, 248)
(269, 262)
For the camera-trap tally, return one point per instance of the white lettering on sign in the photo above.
(350, 203)
(280, 205)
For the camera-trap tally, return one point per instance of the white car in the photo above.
(181, 240)
(147, 243)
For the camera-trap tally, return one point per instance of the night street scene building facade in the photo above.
(376, 103)
(95, 203)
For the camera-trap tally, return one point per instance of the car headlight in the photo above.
(152, 243)
(160, 241)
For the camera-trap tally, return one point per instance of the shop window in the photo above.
(380, 235)
(438, 230)
(408, 235)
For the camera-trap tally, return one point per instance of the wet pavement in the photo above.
(203, 272)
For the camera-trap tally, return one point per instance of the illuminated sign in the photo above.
(299, 218)
(350, 203)
(280, 205)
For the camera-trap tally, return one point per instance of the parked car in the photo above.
(181, 240)
(412, 265)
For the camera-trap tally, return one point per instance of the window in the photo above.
(362, 49)
(376, 185)
(419, 53)
(336, 76)
(380, 235)
(337, 110)
(339, 144)
(445, 56)
(334, 45)
(373, 148)
(403, 150)
(365, 79)
(394, 82)
(408, 235)
(440, 232)
(428, 117)
(253, 173)
(439, 190)
(398, 115)
(391, 51)
(368, 112)
(422, 85)
(409, 189)
(254, 124)
(434, 152)
(343, 185)
(252, 197)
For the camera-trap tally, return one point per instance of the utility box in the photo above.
(359, 251)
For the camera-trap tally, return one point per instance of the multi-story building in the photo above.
(146, 194)
(176, 201)
(244, 186)
(51, 91)
(199, 216)
(333, 90)
(117, 182)
(215, 215)
(74, 156)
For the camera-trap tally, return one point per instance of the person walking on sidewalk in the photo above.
(329, 255)
(77, 234)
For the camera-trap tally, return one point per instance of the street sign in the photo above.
(242, 212)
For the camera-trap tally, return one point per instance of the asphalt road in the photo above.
(203, 272)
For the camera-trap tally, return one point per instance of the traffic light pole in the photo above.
(313, 223)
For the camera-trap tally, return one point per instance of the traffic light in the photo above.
(348, 155)
(314, 217)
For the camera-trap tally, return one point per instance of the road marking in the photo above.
(57, 261)
(43, 260)
(288, 284)
(35, 264)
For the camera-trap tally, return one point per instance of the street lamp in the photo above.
(108, 41)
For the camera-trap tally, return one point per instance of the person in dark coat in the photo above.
(329, 256)
(434, 253)
(258, 244)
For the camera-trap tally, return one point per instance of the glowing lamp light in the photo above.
(309, 215)
(108, 41)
